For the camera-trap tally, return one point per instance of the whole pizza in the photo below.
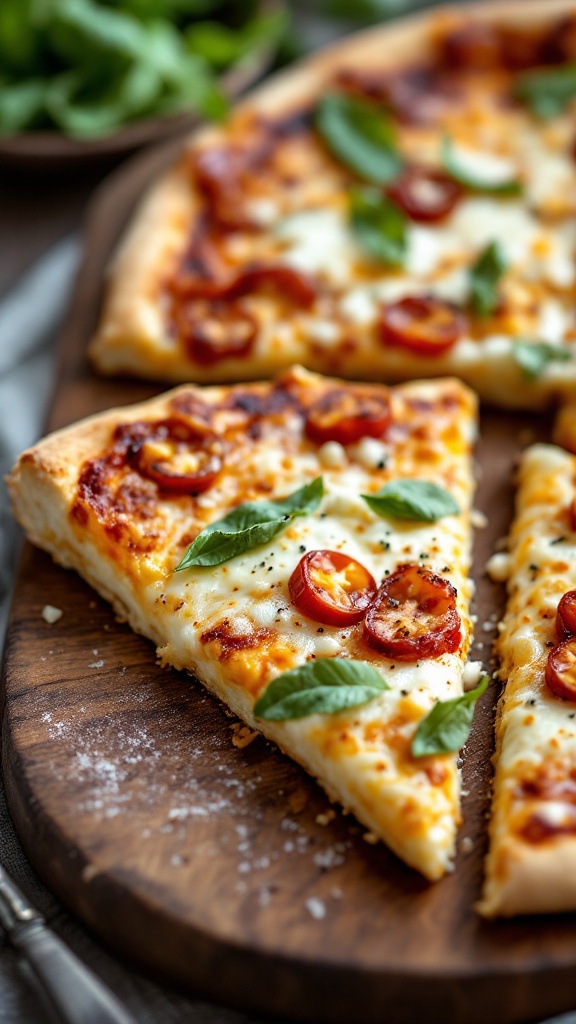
(370, 242)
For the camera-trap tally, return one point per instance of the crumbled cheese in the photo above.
(471, 674)
(316, 908)
(499, 566)
(50, 614)
(332, 455)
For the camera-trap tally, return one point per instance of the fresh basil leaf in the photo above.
(320, 687)
(420, 500)
(359, 134)
(547, 92)
(248, 525)
(475, 183)
(446, 727)
(534, 356)
(485, 276)
(379, 225)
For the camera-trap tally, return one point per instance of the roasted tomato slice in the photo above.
(422, 324)
(560, 671)
(425, 194)
(566, 615)
(414, 616)
(346, 415)
(289, 284)
(216, 330)
(179, 457)
(331, 587)
(292, 284)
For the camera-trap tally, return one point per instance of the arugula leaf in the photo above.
(379, 225)
(446, 727)
(321, 687)
(485, 275)
(21, 105)
(534, 356)
(222, 46)
(465, 177)
(250, 524)
(358, 134)
(420, 500)
(547, 92)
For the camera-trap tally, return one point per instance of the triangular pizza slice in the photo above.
(302, 547)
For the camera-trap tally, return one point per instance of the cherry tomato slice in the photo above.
(560, 673)
(414, 616)
(178, 457)
(422, 324)
(215, 330)
(566, 615)
(425, 194)
(331, 587)
(346, 415)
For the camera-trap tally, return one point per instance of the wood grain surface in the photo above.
(216, 864)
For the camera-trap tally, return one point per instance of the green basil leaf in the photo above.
(412, 499)
(485, 276)
(250, 524)
(465, 177)
(534, 356)
(320, 687)
(379, 225)
(220, 45)
(21, 105)
(446, 727)
(358, 134)
(547, 92)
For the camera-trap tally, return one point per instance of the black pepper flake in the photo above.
(534, 568)
(550, 643)
(531, 702)
(404, 693)
(270, 567)
(385, 544)
(302, 548)
(320, 629)
(557, 540)
(382, 464)
(424, 554)
(571, 715)
(445, 568)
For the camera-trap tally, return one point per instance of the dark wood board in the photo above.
(206, 862)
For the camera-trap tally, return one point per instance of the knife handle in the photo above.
(74, 993)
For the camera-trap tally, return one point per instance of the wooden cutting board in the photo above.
(221, 866)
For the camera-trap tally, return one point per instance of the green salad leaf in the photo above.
(378, 225)
(321, 687)
(359, 135)
(419, 500)
(248, 525)
(446, 727)
(534, 356)
(87, 67)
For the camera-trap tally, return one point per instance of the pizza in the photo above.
(401, 205)
(532, 851)
(302, 547)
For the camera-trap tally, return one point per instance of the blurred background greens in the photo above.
(85, 68)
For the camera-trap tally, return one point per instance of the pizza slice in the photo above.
(302, 547)
(399, 206)
(532, 853)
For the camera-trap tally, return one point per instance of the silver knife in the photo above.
(74, 994)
